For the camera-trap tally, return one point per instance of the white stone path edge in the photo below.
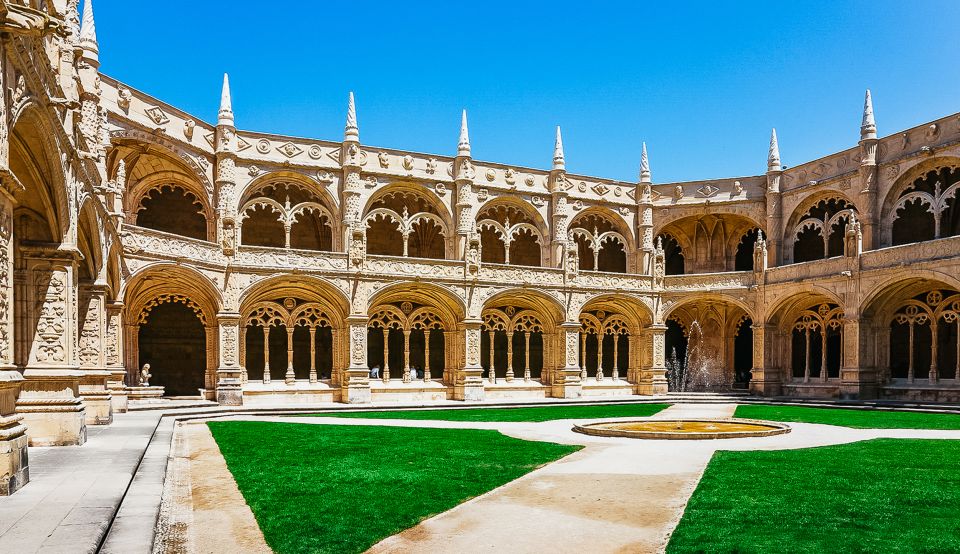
(616, 494)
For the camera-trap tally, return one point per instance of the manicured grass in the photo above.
(883, 495)
(534, 414)
(330, 488)
(860, 419)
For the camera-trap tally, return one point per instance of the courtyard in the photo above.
(442, 478)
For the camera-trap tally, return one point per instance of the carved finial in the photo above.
(644, 165)
(773, 159)
(660, 244)
(122, 174)
(463, 145)
(225, 115)
(868, 128)
(88, 32)
(559, 164)
(351, 132)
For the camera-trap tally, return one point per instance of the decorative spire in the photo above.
(868, 128)
(644, 165)
(225, 115)
(773, 159)
(463, 145)
(88, 31)
(351, 132)
(559, 164)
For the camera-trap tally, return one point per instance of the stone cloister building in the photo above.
(253, 268)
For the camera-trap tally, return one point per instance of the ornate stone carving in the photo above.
(50, 336)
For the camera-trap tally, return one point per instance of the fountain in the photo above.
(684, 429)
(699, 371)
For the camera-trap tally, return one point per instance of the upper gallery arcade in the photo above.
(250, 267)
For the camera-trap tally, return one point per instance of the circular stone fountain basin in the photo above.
(684, 429)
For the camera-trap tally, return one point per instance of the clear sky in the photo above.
(701, 83)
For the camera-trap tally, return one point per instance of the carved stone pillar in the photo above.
(113, 356)
(355, 388)
(509, 356)
(567, 383)
(92, 318)
(858, 370)
(49, 400)
(468, 383)
(653, 370)
(14, 472)
(765, 379)
(229, 369)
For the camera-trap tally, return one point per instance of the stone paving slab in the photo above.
(75, 490)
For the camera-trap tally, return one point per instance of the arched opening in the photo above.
(675, 343)
(816, 341)
(743, 354)
(923, 338)
(509, 235)
(290, 339)
(819, 234)
(673, 255)
(406, 341)
(513, 339)
(173, 209)
(172, 339)
(262, 226)
(403, 222)
(927, 208)
(601, 246)
(744, 257)
(285, 214)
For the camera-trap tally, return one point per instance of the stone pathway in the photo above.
(74, 491)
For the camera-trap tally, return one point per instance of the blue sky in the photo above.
(701, 83)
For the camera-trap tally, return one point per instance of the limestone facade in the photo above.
(254, 268)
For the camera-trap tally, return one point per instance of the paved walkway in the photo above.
(74, 491)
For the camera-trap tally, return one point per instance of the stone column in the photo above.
(385, 375)
(616, 357)
(492, 375)
(229, 369)
(92, 316)
(567, 383)
(290, 377)
(266, 354)
(653, 371)
(468, 383)
(765, 376)
(858, 369)
(406, 355)
(426, 354)
(509, 374)
(526, 355)
(14, 472)
(355, 388)
(313, 354)
(49, 400)
(113, 353)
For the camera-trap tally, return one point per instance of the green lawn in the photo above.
(329, 488)
(860, 419)
(883, 495)
(535, 414)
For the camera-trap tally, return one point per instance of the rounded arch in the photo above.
(162, 278)
(529, 299)
(708, 297)
(801, 298)
(451, 307)
(878, 301)
(512, 232)
(35, 160)
(89, 242)
(308, 183)
(709, 242)
(307, 288)
(635, 310)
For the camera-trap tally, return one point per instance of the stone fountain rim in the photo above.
(772, 428)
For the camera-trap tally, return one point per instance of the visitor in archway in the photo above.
(375, 372)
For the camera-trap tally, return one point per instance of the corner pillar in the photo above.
(567, 382)
(653, 370)
(765, 379)
(355, 388)
(468, 382)
(228, 389)
(92, 316)
(858, 373)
